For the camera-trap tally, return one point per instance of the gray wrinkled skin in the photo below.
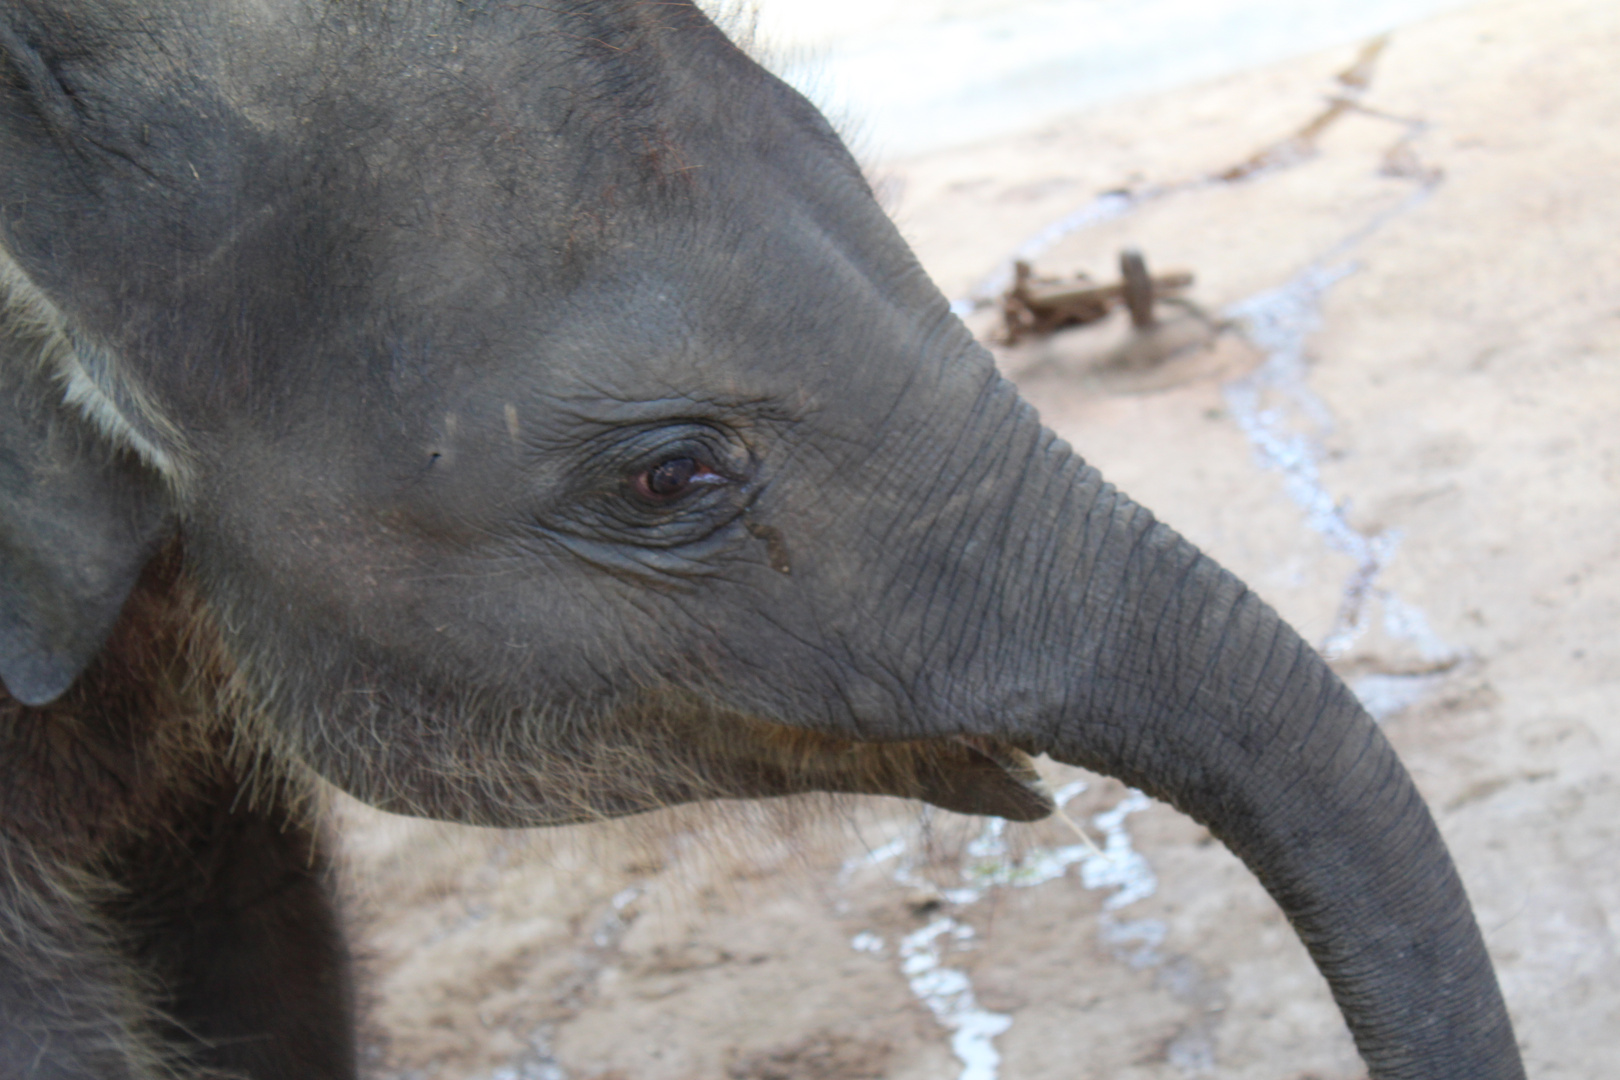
(520, 415)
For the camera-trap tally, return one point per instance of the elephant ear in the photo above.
(79, 519)
(83, 500)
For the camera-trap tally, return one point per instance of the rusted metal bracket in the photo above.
(1037, 306)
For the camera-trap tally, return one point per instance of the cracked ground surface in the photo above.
(1407, 442)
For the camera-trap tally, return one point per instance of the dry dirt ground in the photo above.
(1404, 436)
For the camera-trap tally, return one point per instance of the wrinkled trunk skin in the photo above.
(1155, 665)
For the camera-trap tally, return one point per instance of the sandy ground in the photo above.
(1405, 438)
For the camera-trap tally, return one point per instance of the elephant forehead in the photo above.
(805, 349)
(350, 189)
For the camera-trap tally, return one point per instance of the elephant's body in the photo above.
(520, 415)
(165, 903)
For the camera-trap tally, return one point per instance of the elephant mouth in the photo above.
(671, 748)
(968, 774)
(676, 746)
(1009, 787)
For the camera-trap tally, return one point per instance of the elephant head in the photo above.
(553, 427)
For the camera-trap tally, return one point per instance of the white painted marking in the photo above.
(947, 991)
(949, 996)
(1284, 419)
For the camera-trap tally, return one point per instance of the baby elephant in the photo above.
(520, 414)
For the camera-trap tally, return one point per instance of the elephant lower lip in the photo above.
(1015, 791)
(747, 755)
(674, 747)
(968, 774)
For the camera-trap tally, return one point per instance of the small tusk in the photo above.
(1063, 816)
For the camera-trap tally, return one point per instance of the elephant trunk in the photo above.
(1159, 667)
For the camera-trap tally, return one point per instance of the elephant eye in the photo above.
(674, 477)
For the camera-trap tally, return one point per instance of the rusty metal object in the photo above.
(1038, 306)
(1138, 288)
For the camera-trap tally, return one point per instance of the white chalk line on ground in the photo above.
(947, 991)
(1285, 421)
